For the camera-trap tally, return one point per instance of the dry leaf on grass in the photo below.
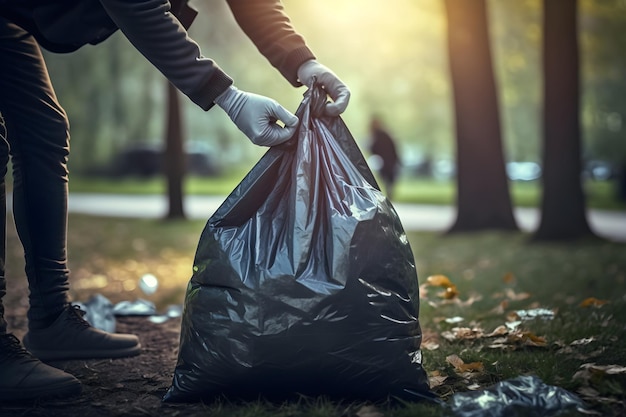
(517, 339)
(527, 339)
(430, 339)
(462, 367)
(462, 333)
(501, 307)
(498, 331)
(513, 296)
(509, 278)
(589, 369)
(430, 345)
(592, 302)
(591, 395)
(439, 281)
(436, 378)
(450, 291)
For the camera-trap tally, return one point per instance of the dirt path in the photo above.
(120, 387)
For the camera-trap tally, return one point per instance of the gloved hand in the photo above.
(334, 87)
(256, 116)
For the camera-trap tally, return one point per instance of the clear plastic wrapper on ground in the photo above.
(304, 282)
(521, 396)
(139, 307)
(99, 312)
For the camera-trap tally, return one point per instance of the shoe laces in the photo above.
(10, 347)
(75, 316)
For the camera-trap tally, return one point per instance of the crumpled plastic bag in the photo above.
(99, 312)
(521, 396)
(139, 307)
(302, 282)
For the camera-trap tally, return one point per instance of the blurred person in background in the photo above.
(383, 146)
(34, 135)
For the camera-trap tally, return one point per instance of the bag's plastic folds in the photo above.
(302, 281)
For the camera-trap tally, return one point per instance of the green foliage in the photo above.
(393, 58)
(602, 41)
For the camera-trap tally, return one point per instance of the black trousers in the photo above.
(34, 135)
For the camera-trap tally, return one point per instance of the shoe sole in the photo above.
(51, 355)
(61, 390)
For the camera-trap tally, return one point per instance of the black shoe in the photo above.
(71, 337)
(24, 377)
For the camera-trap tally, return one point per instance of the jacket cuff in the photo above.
(295, 58)
(212, 88)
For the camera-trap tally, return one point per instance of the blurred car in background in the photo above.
(599, 170)
(523, 171)
(148, 159)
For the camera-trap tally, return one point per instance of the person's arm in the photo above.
(270, 29)
(158, 35)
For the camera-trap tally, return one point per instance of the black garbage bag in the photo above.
(302, 282)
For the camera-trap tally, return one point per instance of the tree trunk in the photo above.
(483, 199)
(174, 158)
(563, 213)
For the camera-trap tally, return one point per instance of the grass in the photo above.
(496, 274)
(504, 273)
(600, 194)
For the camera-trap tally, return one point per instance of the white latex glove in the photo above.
(256, 116)
(333, 86)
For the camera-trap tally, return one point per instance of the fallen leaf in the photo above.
(450, 291)
(516, 339)
(592, 302)
(430, 345)
(498, 331)
(471, 300)
(423, 291)
(501, 343)
(460, 366)
(501, 308)
(439, 281)
(512, 316)
(511, 295)
(604, 369)
(455, 361)
(527, 339)
(435, 379)
(466, 333)
(509, 278)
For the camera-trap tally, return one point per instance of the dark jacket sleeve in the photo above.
(159, 36)
(269, 28)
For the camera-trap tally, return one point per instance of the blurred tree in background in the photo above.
(602, 27)
(563, 213)
(483, 199)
